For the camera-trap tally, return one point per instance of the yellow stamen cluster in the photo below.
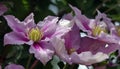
(97, 30)
(35, 34)
(71, 50)
(118, 30)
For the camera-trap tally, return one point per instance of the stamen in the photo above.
(35, 34)
(97, 30)
(71, 50)
(118, 30)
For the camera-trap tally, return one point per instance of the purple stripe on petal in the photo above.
(44, 55)
(81, 20)
(42, 50)
(94, 45)
(72, 38)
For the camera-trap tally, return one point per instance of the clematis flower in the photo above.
(100, 28)
(3, 9)
(72, 48)
(38, 36)
(14, 66)
(82, 50)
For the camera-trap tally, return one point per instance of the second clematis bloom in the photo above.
(82, 50)
(38, 36)
(100, 28)
(72, 48)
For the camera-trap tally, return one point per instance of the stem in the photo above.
(28, 62)
(66, 66)
(111, 8)
(34, 64)
(73, 66)
(99, 6)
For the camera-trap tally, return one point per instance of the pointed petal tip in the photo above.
(3, 9)
(70, 5)
(75, 9)
(32, 14)
(100, 13)
(8, 16)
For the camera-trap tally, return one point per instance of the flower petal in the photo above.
(43, 51)
(87, 58)
(81, 20)
(60, 49)
(14, 66)
(19, 26)
(50, 25)
(110, 48)
(68, 16)
(29, 21)
(72, 38)
(105, 19)
(15, 24)
(108, 38)
(94, 45)
(3, 9)
(62, 29)
(15, 38)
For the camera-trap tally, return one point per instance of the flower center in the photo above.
(97, 30)
(70, 51)
(118, 30)
(35, 34)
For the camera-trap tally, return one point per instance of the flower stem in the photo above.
(28, 62)
(34, 64)
(72, 66)
(66, 66)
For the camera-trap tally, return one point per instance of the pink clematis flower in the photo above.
(14, 66)
(72, 48)
(100, 28)
(82, 50)
(36, 35)
(3, 9)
